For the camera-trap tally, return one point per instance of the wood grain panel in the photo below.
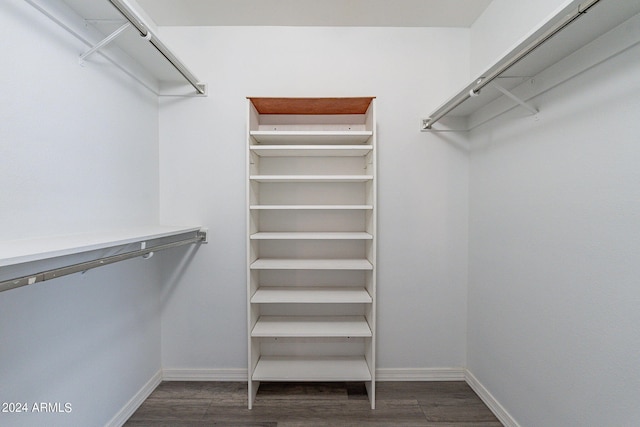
(203, 403)
(306, 106)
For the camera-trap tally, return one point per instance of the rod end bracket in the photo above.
(203, 235)
(202, 89)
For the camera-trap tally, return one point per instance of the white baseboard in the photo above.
(383, 374)
(204, 374)
(391, 374)
(134, 403)
(420, 374)
(498, 410)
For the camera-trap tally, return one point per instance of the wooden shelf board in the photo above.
(311, 295)
(311, 236)
(315, 106)
(311, 264)
(310, 178)
(283, 368)
(311, 207)
(311, 150)
(311, 326)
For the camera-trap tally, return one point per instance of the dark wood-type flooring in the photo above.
(437, 404)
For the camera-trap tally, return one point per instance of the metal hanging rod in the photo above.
(145, 32)
(200, 237)
(474, 88)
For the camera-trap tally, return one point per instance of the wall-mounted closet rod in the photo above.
(135, 20)
(84, 266)
(500, 68)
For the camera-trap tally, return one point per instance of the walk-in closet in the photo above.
(365, 212)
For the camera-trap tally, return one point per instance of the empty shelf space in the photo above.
(311, 236)
(311, 295)
(311, 178)
(311, 264)
(311, 150)
(332, 137)
(311, 326)
(273, 368)
(311, 207)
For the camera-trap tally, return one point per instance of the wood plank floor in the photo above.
(437, 404)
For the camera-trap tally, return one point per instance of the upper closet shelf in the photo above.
(28, 250)
(569, 30)
(23, 251)
(120, 31)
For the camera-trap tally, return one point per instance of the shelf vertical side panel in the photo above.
(371, 246)
(253, 277)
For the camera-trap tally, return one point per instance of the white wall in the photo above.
(502, 25)
(78, 152)
(422, 182)
(554, 244)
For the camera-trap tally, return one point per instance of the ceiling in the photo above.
(369, 13)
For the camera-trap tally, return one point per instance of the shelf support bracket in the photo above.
(511, 96)
(111, 37)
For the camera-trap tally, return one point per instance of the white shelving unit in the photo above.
(311, 208)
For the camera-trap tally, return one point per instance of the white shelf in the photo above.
(311, 326)
(28, 250)
(599, 19)
(311, 137)
(93, 21)
(311, 178)
(311, 295)
(311, 264)
(271, 368)
(311, 207)
(311, 236)
(311, 150)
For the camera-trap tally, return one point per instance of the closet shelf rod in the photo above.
(500, 68)
(145, 32)
(200, 237)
